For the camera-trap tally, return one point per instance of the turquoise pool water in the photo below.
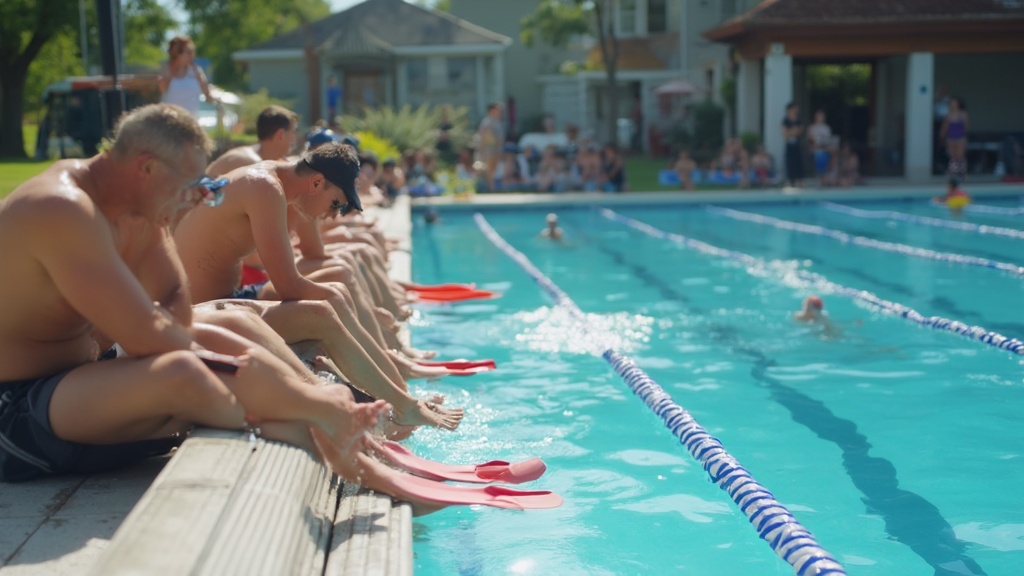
(898, 446)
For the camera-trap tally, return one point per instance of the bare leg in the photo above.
(317, 320)
(156, 397)
(247, 323)
(270, 391)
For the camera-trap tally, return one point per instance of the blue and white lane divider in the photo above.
(926, 220)
(866, 242)
(774, 523)
(1000, 210)
(820, 283)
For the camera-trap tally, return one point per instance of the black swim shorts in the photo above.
(29, 448)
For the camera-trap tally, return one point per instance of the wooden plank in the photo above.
(167, 530)
(372, 536)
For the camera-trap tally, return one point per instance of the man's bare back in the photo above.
(212, 241)
(234, 159)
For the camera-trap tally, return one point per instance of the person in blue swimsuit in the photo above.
(954, 131)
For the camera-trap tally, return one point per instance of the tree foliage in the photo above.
(223, 27)
(557, 22)
(146, 25)
(25, 28)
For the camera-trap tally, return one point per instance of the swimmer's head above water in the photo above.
(812, 309)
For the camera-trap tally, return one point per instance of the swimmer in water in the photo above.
(955, 198)
(813, 312)
(552, 231)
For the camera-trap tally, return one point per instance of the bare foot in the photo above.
(356, 467)
(425, 414)
(397, 432)
(386, 319)
(325, 364)
(353, 419)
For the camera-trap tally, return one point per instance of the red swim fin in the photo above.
(460, 364)
(455, 295)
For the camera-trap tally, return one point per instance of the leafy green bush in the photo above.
(750, 141)
(380, 147)
(412, 129)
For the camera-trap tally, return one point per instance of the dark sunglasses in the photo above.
(341, 208)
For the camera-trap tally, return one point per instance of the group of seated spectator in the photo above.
(551, 169)
(735, 166)
(584, 168)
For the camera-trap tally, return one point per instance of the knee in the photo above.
(189, 380)
(238, 320)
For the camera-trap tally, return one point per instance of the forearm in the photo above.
(162, 333)
(303, 289)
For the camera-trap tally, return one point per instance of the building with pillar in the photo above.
(916, 54)
(382, 52)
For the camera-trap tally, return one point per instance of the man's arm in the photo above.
(268, 217)
(311, 244)
(77, 249)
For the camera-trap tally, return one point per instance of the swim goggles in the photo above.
(213, 190)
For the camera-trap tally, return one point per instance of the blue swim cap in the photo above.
(321, 137)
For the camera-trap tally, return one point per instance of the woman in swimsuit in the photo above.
(954, 130)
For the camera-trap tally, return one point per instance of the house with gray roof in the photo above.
(382, 52)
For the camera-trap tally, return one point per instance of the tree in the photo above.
(25, 28)
(146, 23)
(557, 22)
(222, 27)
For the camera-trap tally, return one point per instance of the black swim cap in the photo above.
(339, 164)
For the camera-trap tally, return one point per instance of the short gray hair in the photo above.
(164, 130)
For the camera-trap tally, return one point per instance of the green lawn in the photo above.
(14, 172)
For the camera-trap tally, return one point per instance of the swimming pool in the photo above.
(898, 445)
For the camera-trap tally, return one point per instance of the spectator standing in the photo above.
(954, 131)
(819, 136)
(182, 82)
(491, 138)
(791, 131)
(333, 100)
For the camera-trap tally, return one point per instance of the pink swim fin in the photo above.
(406, 486)
(493, 471)
(460, 364)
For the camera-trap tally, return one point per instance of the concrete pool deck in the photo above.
(881, 189)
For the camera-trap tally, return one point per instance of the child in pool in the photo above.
(955, 198)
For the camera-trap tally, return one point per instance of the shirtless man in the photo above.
(253, 216)
(275, 129)
(73, 242)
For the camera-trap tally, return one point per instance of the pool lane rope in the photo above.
(773, 522)
(926, 220)
(866, 242)
(1000, 210)
(821, 283)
